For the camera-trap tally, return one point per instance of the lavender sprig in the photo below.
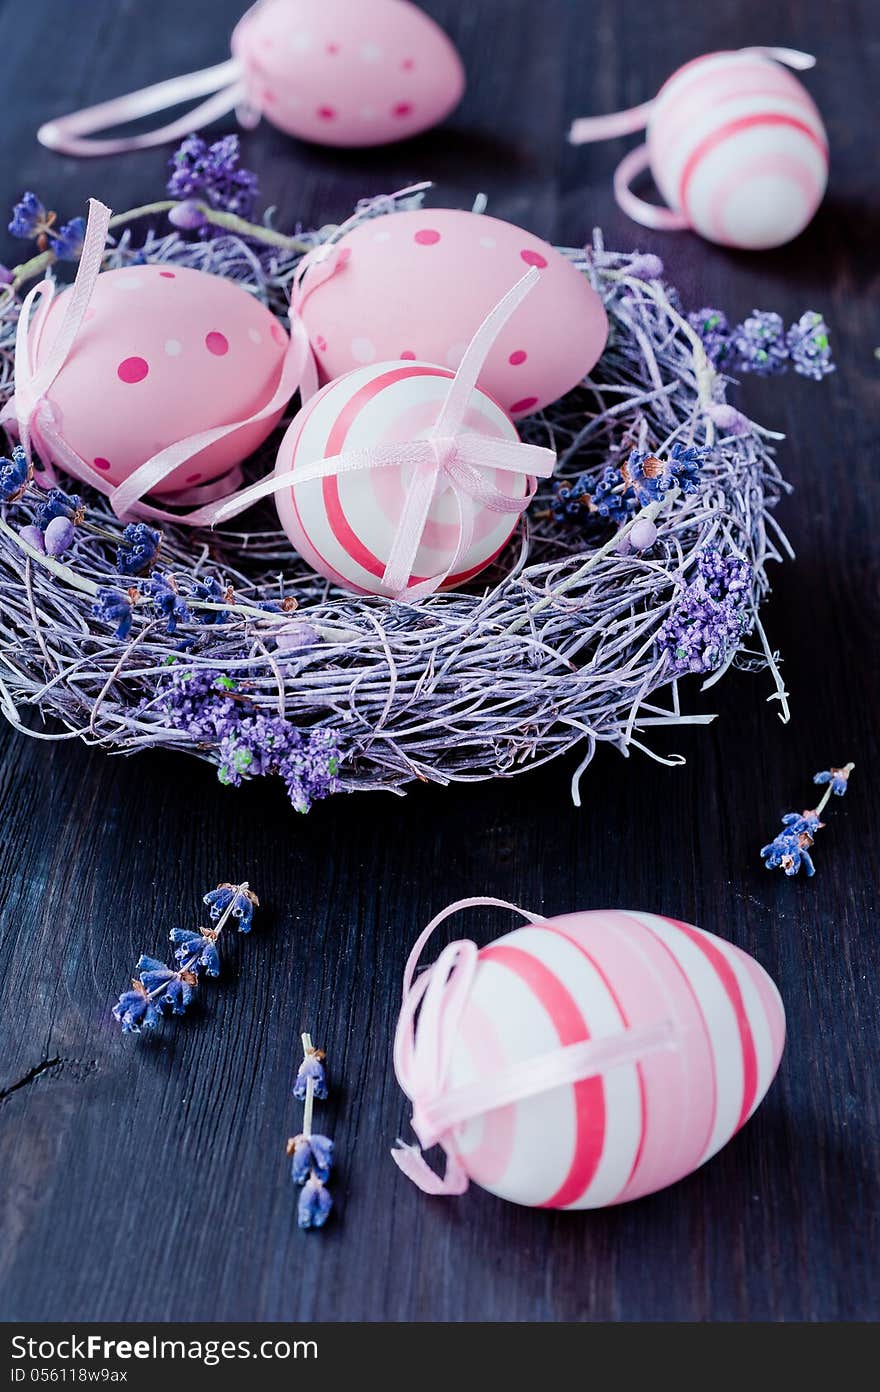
(624, 489)
(761, 344)
(710, 616)
(790, 848)
(312, 1154)
(157, 989)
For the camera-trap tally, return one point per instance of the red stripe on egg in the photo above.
(732, 128)
(589, 1093)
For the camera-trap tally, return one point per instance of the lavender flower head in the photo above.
(710, 616)
(137, 549)
(114, 607)
(790, 848)
(310, 1153)
(314, 1204)
(14, 474)
(211, 174)
(808, 346)
(761, 345)
(236, 899)
(135, 1010)
(311, 1068)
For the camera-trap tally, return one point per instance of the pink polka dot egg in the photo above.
(348, 72)
(344, 526)
(417, 285)
(163, 353)
(648, 1119)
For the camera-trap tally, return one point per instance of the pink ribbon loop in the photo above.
(449, 456)
(428, 1030)
(71, 134)
(35, 418)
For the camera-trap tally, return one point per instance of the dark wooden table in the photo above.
(145, 1179)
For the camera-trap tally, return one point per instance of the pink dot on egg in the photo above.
(101, 463)
(408, 355)
(321, 343)
(402, 109)
(217, 343)
(269, 97)
(279, 335)
(426, 236)
(132, 370)
(526, 404)
(333, 48)
(408, 64)
(167, 275)
(517, 357)
(326, 113)
(534, 258)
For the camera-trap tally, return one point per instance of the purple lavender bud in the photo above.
(58, 536)
(646, 267)
(6, 276)
(189, 216)
(643, 534)
(34, 537)
(728, 419)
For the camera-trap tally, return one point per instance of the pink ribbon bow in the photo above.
(428, 1031)
(449, 456)
(35, 418)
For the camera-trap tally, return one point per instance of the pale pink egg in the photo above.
(418, 285)
(348, 72)
(642, 1124)
(164, 352)
(344, 526)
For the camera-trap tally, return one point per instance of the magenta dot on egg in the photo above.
(326, 113)
(101, 463)
(321, 343)
(408, 64)
(217, 343)
(167, 275)
(427, 236)
(526, 404)
(333, 48)
(517, 357)
(408, 355)
(132, 370)
(402, 109)
(534, 258)
(279, 335)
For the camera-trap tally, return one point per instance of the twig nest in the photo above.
(345, 525)
(592, 1058)
(416, 285)
(348, 72)
(163, 353)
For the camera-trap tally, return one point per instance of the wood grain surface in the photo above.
(146, 1179)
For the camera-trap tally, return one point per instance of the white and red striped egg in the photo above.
(638, 1127)
(344, 526)
(737, 144)
(418, 284)
(164, 352)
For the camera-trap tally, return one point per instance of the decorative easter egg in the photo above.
(348, 72)
(345, 525)
(416, 285)
(164, 352)
(632, 1128)
(736, 142)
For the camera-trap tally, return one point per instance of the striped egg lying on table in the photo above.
(737, 144)
(344, 526)
(640, 1126)
(415, 286)
(164, 352)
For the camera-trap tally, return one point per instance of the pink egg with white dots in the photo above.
(348, 72)
(163, 353)
(417, 285)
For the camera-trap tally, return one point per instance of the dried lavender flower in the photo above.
(710, 616)
(137, 548)
(312, 1154)
(211, 173)
(158, 988)
(14, 475)
(790, 848)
